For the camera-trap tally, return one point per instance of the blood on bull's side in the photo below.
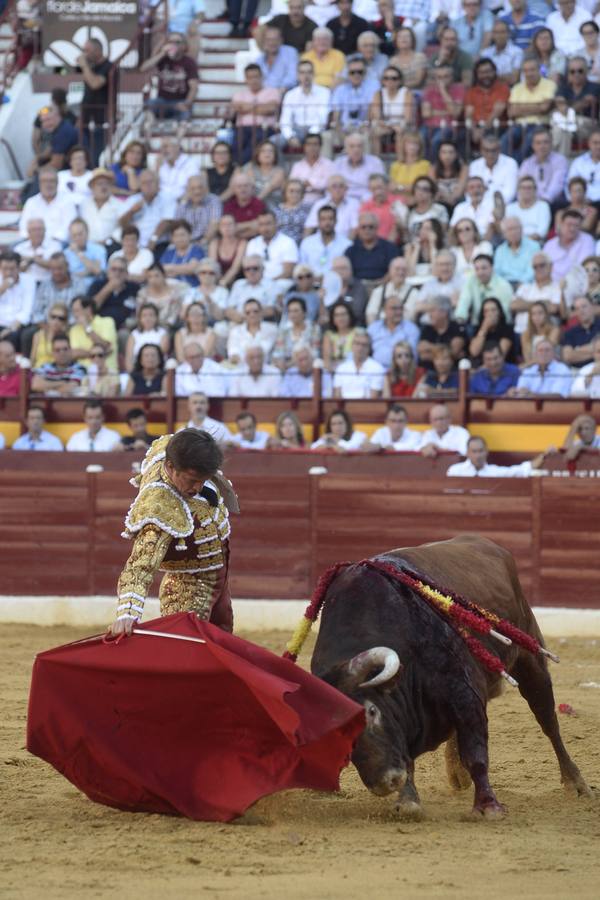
(382, 645)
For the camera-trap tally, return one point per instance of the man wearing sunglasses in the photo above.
(351, 100)
(581, 95)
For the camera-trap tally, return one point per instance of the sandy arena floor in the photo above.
(57, 844)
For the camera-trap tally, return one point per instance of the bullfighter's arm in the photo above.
(148, 551)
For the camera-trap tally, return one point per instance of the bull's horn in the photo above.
(361, 665)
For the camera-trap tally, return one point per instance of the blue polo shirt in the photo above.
(282, 74)
(369, 265)
(523, 34)
(482, 382)
(171, 257)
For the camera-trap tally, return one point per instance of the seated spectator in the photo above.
(367, 46)
(209, 294)
(450, 54)
(85, 259)
(314, 170)
(496, 376)
(356, 166)
(577, 199)
(114, 295)
(198, 404)
(473, 28)
(346, 209)
(389, 208)
(266, 174)
(137, 258)
(56, 211)
(443, 435)
(128, 169)
(359, 376)
(421, 253)
(442, 378)
(35, 252)
(147, 331)
(288, 433)
(305, 109)
(551, 59)
(177, 79)
(151, 211)
(351, 100)
(443, 282)
(590, 49)
(441, 107)
(395, 435)
(533, 214)
(576, 342)
(395, 283)
(411, 63)
(570, 246)
(244, 206)
(278, 62)
(492, 326)
(248, 438)
(147, 375)
(167, 294)
(346, 28)
(587, 381)
(91, 329)
(294, 330)
(181, 259)
(291, 213)
(17, 293)
(529, 105)
(101, 212)
(477, 206)
(352, 290)
(278, 252)
(546, 376)
(340, 435)
(339, 335)
(410, 163)
(219, 174)
(195, 330)
(57, 135)
(386, 332)
(476, 464)
(196, 374)
(523, 21)
(200, 209)
(497, 170)
(585, 166)
(538, 324)
(253, 286)
(424, 207)
(100, 381)
(75, 179)
(60, 289)
(140, 439)
(304, 286)
(513, 257)
(483, 283)
(10, 371)
(505, 55)
(62, 375)
(541, 288)
(369, 254)
(296, 28)
(252, 332)
(467, 245)
(581, 436)
(577, 93)
(298, 379)
(174, 168)
(392, 110)
(255, 378)
(228, 250)
(547, 168)
(328, 63)
(486, 101)
(449, 173)
(591, 266)
(440, 330)
(36, 437)
(41, 343)
(256, 108)
(95, 437)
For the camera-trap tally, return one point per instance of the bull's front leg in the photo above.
(472, 739)
(408, 805)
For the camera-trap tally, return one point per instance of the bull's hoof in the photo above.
(579, 787)
(491, 811)
(409, 809)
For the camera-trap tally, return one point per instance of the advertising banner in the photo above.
(68, 24)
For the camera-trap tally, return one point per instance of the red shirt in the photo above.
(437, 103)
(10, 383)
(244, 213)
(387, 220)
(403, 389)
(174, 76)
(483, 101)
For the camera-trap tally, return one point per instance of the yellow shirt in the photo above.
(105, 328)
(545, 89)
(328, 67)
(404, 175)
(43, 350)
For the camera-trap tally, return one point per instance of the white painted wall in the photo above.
(16, 120)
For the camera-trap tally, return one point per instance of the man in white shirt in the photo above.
(587, 166)
(101, 211)
(253, 286)
(175, 168)
(248, 438)
(199, 418)
(57, 212)
(443, 435)
(346, 209)
(533, 214)
(478, 207)
(36, 251)
(199, 375)
(359, 377)
(476, 464)
(253, 332)
(278, 251)
(36, 438)
(587, 380)
(17, 293)
(305, 109)
(547, 376)
(320, 249)
(497, 171)
(565, 24)
(256, 379)
(395, 435)
(95, 437)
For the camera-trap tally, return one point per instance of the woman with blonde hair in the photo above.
(404, 374)
(41, 346)
(410, 163)
(288, 432)
(466, 245)
(539, 325)
(195, 330)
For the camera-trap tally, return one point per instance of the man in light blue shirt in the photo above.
(386, 332)
(505, 55)
(36, 438)
(298, 380)
(320, 249)
(513, 257)
(278, 62)
(86, 260)
(546, 376)
(150, 210)
(350, 101)
(474, 28)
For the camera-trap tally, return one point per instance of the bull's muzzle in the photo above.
(393, 780)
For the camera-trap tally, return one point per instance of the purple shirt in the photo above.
(358, 176)
(564, 258)
(550, 176)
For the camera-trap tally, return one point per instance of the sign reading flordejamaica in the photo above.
(68, 24)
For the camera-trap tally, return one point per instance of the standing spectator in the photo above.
(113, 293)
(513, 257)
(174, 168)
(62, 376)
(253, 332)
(395, 435)
(278, 61)
(147, 376)
(404, 374)
(582, 96)
(356, 166)
(496, 376)
(450, 54)
(314, 170)
(543, 287)
(150, 211)
(486, 101)
(440, 330)
(533, 214)
(587, 381)
(91, 330)
(60, 288)
(256, 378)
(338, 338)
(36, 251)
(587, 166)
(101, 211)
(177, 79)
(492, 326)
(546, 376)
(17, 292)
(85, 258)
(298, 379)
(386, 332)
(340, 434)
(278, 251)
(474, 28)
(227, 250)
(369, 254)
(483, 283)
(95, 437)
(181, 259)
(198, 404)
(506, 56)
(244, 206)
(497, 170)
(346, 209)
(55, 211)
(128, 169)
(565, 24)
(547, 168)
(346, 28)
(140, 439)
(199, 375)
(320, 249)
(253, 286)
(256, 108)
(441, 107)
(248, 438)
(443, 435)
(576, 342)
(10, 371)
(478, 208)
(529, 105)
(351, 100)
(295, 27)
(305, 109)
(359, 376)
(523, 22)
(328, 63)
(200, 209)
(36, 437)
(539, 324)
(96, 71)
(570, 246)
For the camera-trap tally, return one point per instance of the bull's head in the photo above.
(380, 752)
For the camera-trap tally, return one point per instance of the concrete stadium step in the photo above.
(212, 90)
(218, 75)
(204, 110)
(215, 29)
(211, 42)
(214, 8)
(208, 57)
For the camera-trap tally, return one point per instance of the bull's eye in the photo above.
(373, 714)
(372, 711)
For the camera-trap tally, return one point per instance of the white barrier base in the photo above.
(250, 615)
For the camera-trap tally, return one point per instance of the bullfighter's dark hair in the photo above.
(195, 450)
